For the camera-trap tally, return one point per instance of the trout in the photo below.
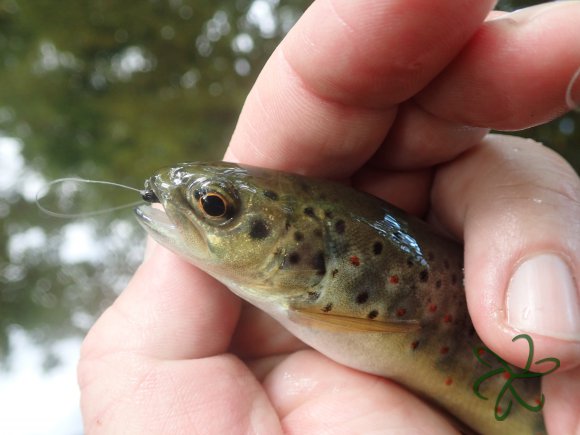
(350, 275)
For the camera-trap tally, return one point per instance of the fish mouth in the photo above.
(169, 233)
(156, 223)
(155, 219)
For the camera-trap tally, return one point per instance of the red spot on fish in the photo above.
(538, 401)
(498, 410)
(448, 318)
(448, 381)
(432, 308)
(481, 351)
(444, 350)
(354, 260)
(506, 375)
(394, 279)
(401, 312)
(414, 344)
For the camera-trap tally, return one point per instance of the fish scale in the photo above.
(350, 275)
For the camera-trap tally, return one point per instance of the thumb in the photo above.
(518, 206)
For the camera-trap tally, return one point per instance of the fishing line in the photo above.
(42, 193)
(572, 105)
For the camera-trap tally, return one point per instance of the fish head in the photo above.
(235, 223)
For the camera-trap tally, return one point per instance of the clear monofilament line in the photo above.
(61, 181)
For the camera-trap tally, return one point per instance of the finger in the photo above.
(313, 394)
(258, 335)
(154, 362)
(127, 393)
(409, 190)
(515, 71)
(419, 139)
(518, 205)
(562, 392)
(170, 310)
(326, 98)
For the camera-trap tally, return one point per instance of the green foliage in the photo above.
(123, 87)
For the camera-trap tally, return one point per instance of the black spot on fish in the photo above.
(294, 258)
(288, 225)
(271, 194)
(309, 211)
(438, 283)
(334, 272)
(362, 297)
(410, 262)
(373, 314)
(298, 236)
(424, 276)
(377, 248)
(314, 295)
(259, 230)
(318, 232)
(328, 214)
(340, 226)
(318, 263)
(327, 307)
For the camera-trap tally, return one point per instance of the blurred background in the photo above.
(112, 90)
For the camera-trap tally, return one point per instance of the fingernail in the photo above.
(542, 297)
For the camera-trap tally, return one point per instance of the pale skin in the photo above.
(351, 94)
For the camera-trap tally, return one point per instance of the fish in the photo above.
(352, 276)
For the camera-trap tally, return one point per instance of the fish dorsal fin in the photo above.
(337, 322)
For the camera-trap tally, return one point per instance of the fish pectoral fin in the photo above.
(337, 322)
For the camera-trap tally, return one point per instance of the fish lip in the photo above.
(154, 219)
(166, 225)
(155, 222)
(150, 215)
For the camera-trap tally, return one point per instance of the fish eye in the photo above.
(213, 204)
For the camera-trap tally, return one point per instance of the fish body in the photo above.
(352, 276)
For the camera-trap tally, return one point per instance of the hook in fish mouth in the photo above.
(149, 196)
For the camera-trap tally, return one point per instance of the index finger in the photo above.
(327, 97)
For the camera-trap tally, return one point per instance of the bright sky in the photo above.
(33, 402)
(36, 403)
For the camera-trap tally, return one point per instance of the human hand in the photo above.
(351, 94)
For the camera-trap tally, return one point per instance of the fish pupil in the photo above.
(213, 205)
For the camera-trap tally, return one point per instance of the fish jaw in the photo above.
(170, 226)
(157, 224)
